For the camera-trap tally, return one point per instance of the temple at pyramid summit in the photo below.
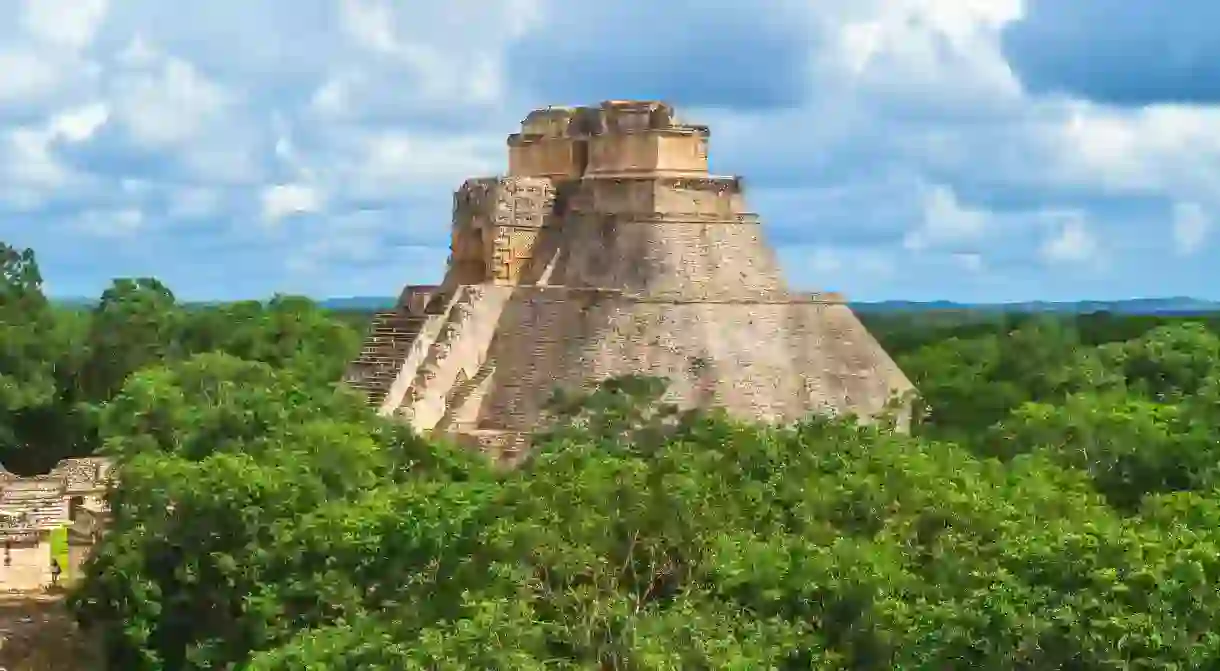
(608, 249)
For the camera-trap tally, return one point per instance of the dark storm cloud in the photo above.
(1125, 52)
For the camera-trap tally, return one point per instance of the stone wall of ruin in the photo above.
(616, 138)
(414, 297)
(28, 564)
(496, 226)
(667, 255)
(557, 158)
(688, 237)
(647, 152)
(682, 152)
(701, 196)
(816, 358)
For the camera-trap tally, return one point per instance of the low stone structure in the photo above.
(609, 249)
(69, 502)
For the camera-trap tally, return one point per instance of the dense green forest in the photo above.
(1056, 506)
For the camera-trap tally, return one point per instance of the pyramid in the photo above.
(609, 249)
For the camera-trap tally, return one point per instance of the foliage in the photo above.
(722, 545)
(59, 365)
(1058, 506)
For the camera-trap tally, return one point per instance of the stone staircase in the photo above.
(461, 392)
(32, 508)
(458, 352)
(389, 340)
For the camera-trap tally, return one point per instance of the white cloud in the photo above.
(1155, 149)
(28, 159)
(26, 75)
(1191, 226)
(79, 124)
(391, 163)
(110, 223)
(971, 262)
(945, 221)
(194, 202)
(333, 97)
(1073, 242)
(825, 261)
(284, 200)
(30, 167)
(371, 23)
(914, 135)
(168, 103)
(137, 54)
(67, 24)
(944, 53)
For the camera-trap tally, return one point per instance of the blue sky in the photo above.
(974, 150)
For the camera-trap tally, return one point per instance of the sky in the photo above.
(970, 150)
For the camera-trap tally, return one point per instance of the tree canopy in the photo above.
(1056, 507)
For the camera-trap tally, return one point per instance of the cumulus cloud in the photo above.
(26, 76)
(1191, 226)
(891, 146)
(283, 200)
(165, 101)
(1072, 242)
(734, 56)
(946, 221)
(118, 223)
(67, 24)
(1114, 51)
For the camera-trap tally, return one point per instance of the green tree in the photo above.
(219, 457)
(27, 351)
(247, 534)
(136, 323)
(287, 332)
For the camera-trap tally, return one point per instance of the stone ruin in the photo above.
(607, 250)
(71, 497)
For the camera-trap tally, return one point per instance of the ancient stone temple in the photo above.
(59, 515)
(609, 249)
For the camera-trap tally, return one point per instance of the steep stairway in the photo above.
(32, 508)
(462, 390)
(389, 340)
(455, 357)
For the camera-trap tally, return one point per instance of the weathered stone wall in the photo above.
(619, 137)
(554, 158)
(496, 225)
(775, 361)
(706, 195)
(414, 297)
(682, 152)
(629, 116)
(550, 122)
(614, 154)
(27, 564)
(689, 237)
(651, 152)
(667, 255)
(713, 196)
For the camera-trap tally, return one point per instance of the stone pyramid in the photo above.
(609, 249)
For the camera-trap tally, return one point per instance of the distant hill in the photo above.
(352, 304)
(359, 303)
(1134, 306)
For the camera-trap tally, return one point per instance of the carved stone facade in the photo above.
(70, 500)
(496, 225)
(609, 249)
